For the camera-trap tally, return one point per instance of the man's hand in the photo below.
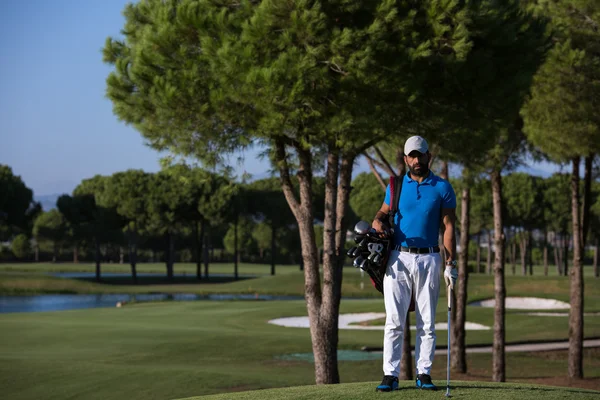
(450, 275)
(380, 223)
(380, 227)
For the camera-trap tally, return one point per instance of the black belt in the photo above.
(417, 250)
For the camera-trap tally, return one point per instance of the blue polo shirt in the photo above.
(417, 224)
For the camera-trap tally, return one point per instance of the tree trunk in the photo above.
(205, 248)
(406, 365)
(498, 355)
(169, 255)
(443, 175)
(235, 246)
(530, 251)
(133, 260)
(375, 172)
(37, 253)
(478, 258)
(121, 255)
(322, 307)
(587, 200)
(76, 254)
(513, 256)
(596, 269)
(444, 170)
(565, 257)
(97, 257)
(400, 161)
(523, 249)
(489, 253)
(576, 292)
(332, 276)
(545, 252)
(546, 260)
(198, 247)
(458, 352)
(273, 237)
(558, 255)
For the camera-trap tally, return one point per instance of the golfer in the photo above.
(427, 203)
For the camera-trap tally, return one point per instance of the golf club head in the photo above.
(358, 238)
(357, 251)
(361, 227)
(350, 253)
(357, 261)
(363, 265)
(363, 244)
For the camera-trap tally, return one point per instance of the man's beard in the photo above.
(423, 171)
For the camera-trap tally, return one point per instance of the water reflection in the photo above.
(60, 302)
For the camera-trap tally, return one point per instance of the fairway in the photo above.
(183, 349)
(171, 350)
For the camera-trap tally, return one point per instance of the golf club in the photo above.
(358, 261)
(361, 227)
(350, 253)
(449, 290)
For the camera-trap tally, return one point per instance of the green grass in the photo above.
(175, 350)
(183, 349)
(520, 327)
(363, 391)
(287, 281)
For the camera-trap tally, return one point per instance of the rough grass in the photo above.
(365, 391)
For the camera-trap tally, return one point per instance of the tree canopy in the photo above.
(15, 202)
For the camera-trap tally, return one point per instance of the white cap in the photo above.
(415, 143)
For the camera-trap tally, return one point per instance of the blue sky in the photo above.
(56, 125)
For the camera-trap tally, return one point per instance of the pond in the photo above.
(92, 275)
(61, 302)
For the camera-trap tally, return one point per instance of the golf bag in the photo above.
(371, 253)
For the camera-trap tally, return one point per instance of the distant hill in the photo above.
(48, 201)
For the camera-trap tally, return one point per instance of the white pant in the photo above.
(407, 273)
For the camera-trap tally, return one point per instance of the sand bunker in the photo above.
(525, 303)
(345, 321)
(520, 303)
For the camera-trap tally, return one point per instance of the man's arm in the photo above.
(381, 223)
(448, 222)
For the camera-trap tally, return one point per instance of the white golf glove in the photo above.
(450, 275)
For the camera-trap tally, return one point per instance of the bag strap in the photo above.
(395, 191)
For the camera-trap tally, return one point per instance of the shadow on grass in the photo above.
(161, 280)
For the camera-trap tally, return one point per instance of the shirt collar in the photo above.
(427, 179)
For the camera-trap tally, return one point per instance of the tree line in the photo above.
(116, 218)
(180, 210)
